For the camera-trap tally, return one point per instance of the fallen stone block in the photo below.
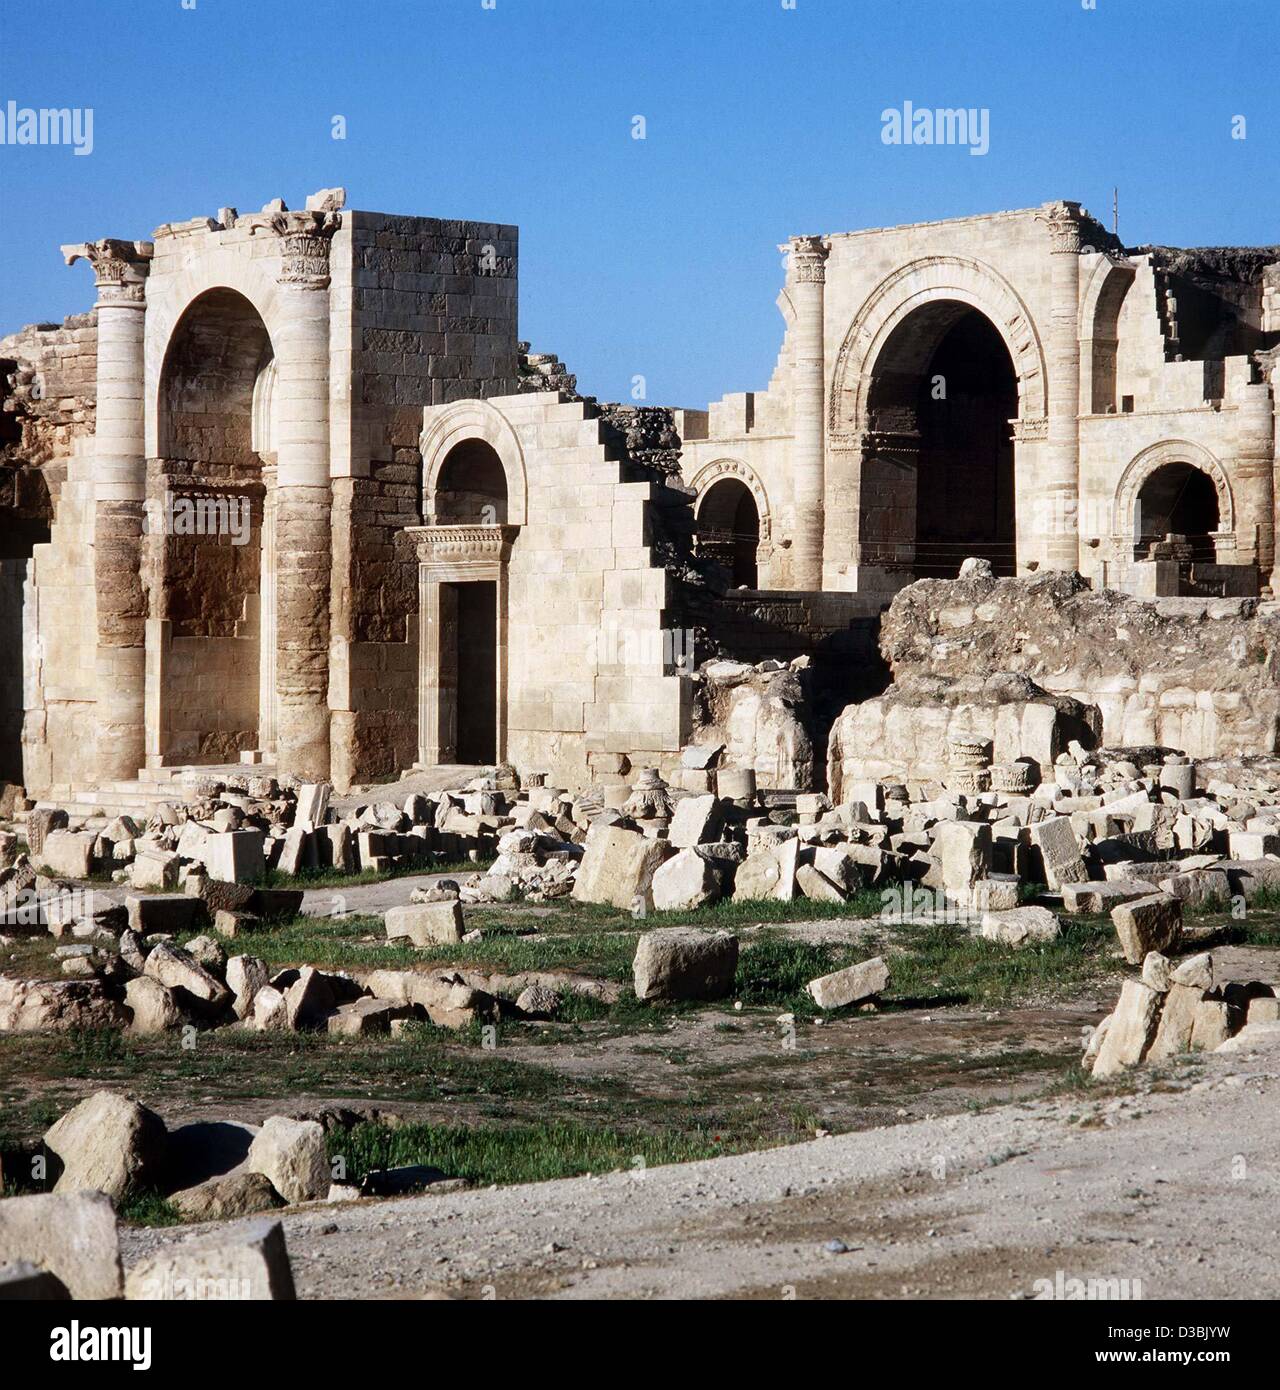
(68, 853)
(1196, 971)
(310, 999)
(1177, 1019)
(249, 1262)
(1059, 852)
(444, 996)
(963, 850)
(72, 1236)
(1211, 1026)
(246, 975)
(194, 986)
(816, 886)
(1253, 1037)
(269, 1012)
(362, 1017)
(231, 1195)
(426, 924)
(34, 1006)
(851, 985)
(110, 1144)
(1152, 923)
(674, 963)
(1021, 926)
(235, 856)
(291, 1155)
(768, 873)
(156, 870)
(1098, 896)
(153, 1007)
(1199, 888)
(40, 823)
(685, 882)
(617, 867)
(166, 915)
(1157, 971)
(696, 820)
(1131, 1031)
(273, 904)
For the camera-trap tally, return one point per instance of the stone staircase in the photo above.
(140, 796)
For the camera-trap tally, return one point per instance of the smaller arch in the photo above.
(1156, 456)
(470, 486)
(711, 473)
(728, 530)
(263, 426)
(446, 427)
(1105, 291)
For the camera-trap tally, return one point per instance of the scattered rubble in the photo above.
(1181, 1008)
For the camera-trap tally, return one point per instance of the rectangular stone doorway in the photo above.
(473, 629)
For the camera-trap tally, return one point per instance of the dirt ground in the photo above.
(1173, 1188)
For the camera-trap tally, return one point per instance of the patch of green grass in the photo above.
(947, 964)
(335, 878)
(522, 1152)
(149, 1209)
(774, 971)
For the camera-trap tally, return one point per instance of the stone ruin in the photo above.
(294, 495)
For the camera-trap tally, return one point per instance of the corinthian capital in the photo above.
(304, 246)
(808, 260)
(119, 267)
(1063, 221)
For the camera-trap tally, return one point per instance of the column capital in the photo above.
(808, 259)
(304, 246)
(1063, 221)
(119, 268)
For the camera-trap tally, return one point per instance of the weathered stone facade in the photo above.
(299, 496)
(1017, 386)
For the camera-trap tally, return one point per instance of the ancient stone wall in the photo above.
(425, 312)
(1196, 675)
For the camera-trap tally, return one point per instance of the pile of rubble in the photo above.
(237, 830)
(1177, 1008)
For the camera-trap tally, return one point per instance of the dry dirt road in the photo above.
(1176, 1187)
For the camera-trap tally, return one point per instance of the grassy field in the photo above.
(609, 1086)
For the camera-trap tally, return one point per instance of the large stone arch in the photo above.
(447, 426)
(1155, 456)
(170, 298)
(929, 280)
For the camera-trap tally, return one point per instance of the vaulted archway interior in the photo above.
(728, 530)
(470, 487)
(1177, 499)
(210, 527)
(938, 484)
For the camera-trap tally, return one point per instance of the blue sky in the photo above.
(654, 257)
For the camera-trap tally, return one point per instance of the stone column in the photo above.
(300, 336)
(1060, 494)
(119, 483)
(808, 287)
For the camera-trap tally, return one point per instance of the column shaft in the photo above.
(808, 452)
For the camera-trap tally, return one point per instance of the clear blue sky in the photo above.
(658, 256)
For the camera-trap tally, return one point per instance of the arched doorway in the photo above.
(939, 485)
(210, 565)
(469, 492)
(729, 530)
(1177, 499)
